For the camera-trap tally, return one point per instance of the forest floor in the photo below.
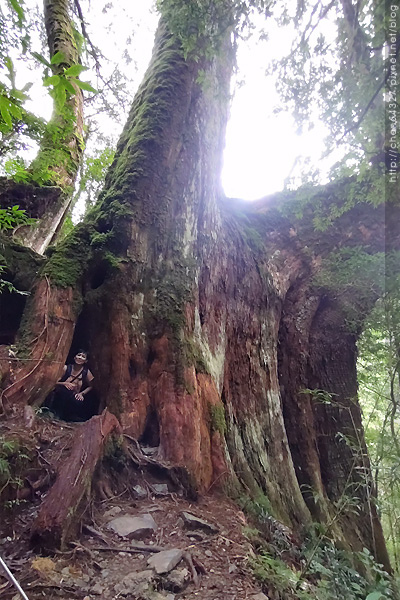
(103, 564)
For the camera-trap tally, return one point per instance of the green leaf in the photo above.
(41, 59)
(4, 110)
(18, 95)
(53, 80)
(85, 86)
(375, 596)
(18, 9)
(14, 110)
(57, 58)
(75, 70)
(60, 95)
(68, 86)
(9, 64)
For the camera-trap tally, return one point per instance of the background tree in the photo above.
(378, 373)
(339, 69)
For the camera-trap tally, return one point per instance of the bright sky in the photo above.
(261, 146)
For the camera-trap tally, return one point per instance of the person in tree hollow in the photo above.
(72, 400)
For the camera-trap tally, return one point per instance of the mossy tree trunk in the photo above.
(62, 145)
(202, 316)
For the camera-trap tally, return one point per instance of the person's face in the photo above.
(80, 358)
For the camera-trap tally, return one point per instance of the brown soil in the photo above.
(90, 570)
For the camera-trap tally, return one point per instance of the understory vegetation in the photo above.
(379, 378)
(315, 568)
(332, 574)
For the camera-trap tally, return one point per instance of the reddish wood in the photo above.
(62, 510)
(51, 326)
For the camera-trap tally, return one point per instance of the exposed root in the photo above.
(179, 476)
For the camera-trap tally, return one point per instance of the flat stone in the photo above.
(139, 491)
(193, 522)
(195, 535)
(136, 527)
(165, 561)
(151, 595)
(160, 488)
(232, 568)
(260, 596)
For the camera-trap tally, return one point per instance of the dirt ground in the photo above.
(97, 564)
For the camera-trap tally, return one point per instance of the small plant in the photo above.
(275, 574)
(252, 534)
(13, 461)
(65, 83)
(13, 217)
(330, 576)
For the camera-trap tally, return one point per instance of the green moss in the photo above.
(113, 446)
(217, 418)
(194, 357)
(258, 508)
(253, 238)
(323, 205)
(143, 136)
(67, 263)
(164, 312)
(21, 263)
(171, 292)
(114, 455)
(25, 335)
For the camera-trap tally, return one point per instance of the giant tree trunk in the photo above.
(202, 316)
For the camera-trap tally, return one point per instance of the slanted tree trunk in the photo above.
(61, 512)
(61, 148)
(202, 316)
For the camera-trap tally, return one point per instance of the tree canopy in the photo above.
(338, 70)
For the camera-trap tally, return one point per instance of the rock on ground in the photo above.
(177, 580)
(193, 522)
(136, 527)
(135, 583)
(165, 561)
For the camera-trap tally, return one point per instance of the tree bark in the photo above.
(61, 512)
(61, 148)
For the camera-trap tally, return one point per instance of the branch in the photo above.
(370, 103)
(85, 34)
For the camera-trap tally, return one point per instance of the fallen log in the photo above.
(62, 510)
